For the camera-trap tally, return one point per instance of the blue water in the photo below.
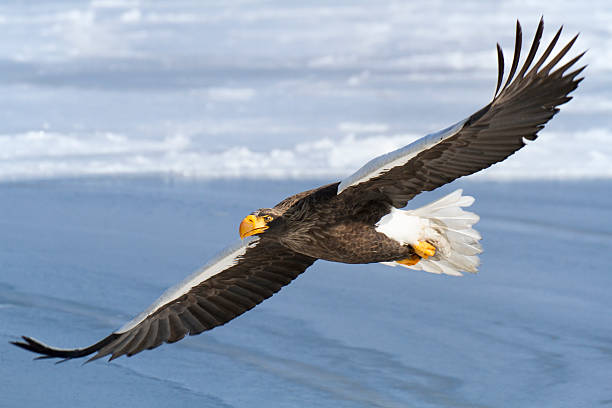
(532, 329)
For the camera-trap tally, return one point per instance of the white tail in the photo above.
(446, 226)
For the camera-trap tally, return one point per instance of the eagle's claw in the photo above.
(424, 249)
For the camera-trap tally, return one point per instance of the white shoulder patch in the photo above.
(399, 157)
(218, 264)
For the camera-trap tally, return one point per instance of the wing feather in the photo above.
(151, 337)
(236, 282)
(533, 50)
(525, 103)
(500, 68)
(138, 340)
(517, 52)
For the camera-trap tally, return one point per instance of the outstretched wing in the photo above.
(525, 103)
(236, 281)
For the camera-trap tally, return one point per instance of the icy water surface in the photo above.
(533, 329)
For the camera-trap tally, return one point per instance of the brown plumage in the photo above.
(207, 305)
(342, 221)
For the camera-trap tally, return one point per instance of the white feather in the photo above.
(399, 157)
(403, 226)
(444, 224)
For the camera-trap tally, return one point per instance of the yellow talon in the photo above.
(413, 260)
(424, 249)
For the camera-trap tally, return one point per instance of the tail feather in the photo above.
(457, 243)
(460, 248)
(448, 202)
(458, 219)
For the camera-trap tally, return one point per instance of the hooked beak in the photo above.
(252, 225)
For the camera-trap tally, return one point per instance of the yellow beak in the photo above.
(252, 225)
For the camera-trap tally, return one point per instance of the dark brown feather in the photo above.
(522, 107)
(261, 272)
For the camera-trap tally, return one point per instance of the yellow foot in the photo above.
(413, 260)
(424, 249)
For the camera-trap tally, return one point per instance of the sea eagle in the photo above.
(359, 219)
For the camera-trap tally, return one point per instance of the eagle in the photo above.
(360, 219)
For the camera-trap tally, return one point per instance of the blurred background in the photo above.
(135, 135)
(274, 89)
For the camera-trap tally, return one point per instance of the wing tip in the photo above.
(47, 352)
(538, 68)
(28, 343)
(500, 68)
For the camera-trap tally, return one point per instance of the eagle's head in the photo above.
(258, 221)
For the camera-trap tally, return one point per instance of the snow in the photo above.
(278, 89)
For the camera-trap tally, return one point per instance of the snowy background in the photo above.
(275, 89)
(192, 114)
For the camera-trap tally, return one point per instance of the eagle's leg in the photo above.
(424, 249)
(413, 260)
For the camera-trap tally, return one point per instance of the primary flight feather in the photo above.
(359, 220)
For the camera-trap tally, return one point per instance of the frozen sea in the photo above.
(135, 135)
(532, 329)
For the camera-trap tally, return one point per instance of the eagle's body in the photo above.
(360, 219)
(322, 225)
